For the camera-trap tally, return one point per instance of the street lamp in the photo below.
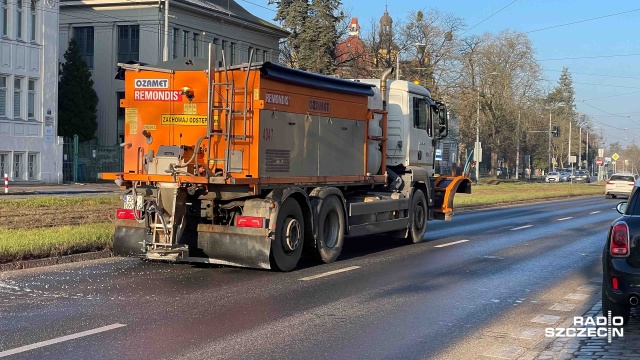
(476, 150)
(420, 46)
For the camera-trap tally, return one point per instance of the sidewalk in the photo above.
(59, 189)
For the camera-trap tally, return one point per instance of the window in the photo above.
(258, 56)
(4, 164)
(196, 46)
(128, 43)
(225, 50)
(84, 38)
(120, 117)
(33, 167)
(17, 96)
(19, 19)
(33, 20)
(421, 115)
(17, 166)
(249, 53)
(3, 96)
(174, 42)
(232, 55)
(5, 17)
(265, 56)
(185, 43)
(31, 100)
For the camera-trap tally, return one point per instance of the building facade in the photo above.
(30, 149)
(109, 32)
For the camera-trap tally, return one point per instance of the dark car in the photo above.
(621, 260)
(581, 176)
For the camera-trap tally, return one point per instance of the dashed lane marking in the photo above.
(328, 273)
(521, 227)
(451, 243)
(59, 340)
(567, 218)
(595, 212)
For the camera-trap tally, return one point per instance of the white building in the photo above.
(30, 149)
(113, 31)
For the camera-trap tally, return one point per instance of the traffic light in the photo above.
(556, 131)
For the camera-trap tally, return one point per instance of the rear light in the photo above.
(126, 214)
(249, 221)
(608, 182)
(614, 283)
(631, 184)
(620, 240)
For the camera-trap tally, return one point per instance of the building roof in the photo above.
(386, 19)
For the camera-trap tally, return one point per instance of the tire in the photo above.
(417, 217)
(614, 196)
(616, 309)
(286, 250)
(331, 227)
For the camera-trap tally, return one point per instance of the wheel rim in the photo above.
(419, 216)
(331, 228)
(292, 234)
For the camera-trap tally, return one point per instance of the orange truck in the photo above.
(253, 164)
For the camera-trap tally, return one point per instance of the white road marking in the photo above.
(595, 212)
(59, 340)
(329, 273)
(567, 218)
(451, 243)
(522, 227)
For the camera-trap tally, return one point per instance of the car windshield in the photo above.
(627, 178)
(553, 173)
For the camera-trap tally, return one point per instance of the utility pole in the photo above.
(165, 49)
(570, 162)
(518, 148)
(580, 150)
(587, 154)
(550, 164)
(477, 148)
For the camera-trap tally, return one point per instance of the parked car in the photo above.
(581, 176)
(565, 176)
(553, 177)
(620, 184)
(621, 260)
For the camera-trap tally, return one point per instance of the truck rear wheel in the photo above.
(418, 217)
(331, 227)
(286, 248)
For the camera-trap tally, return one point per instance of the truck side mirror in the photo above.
(442, 127)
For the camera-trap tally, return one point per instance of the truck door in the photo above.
(420, 149)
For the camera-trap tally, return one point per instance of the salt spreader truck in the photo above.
(251, 165)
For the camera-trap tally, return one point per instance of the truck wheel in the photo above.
(331, 226)
(418, 217)
(286, 248)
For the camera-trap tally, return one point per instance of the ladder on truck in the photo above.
(222, 109)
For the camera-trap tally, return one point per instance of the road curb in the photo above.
(540, 347)
(29, 264)
(470, 208)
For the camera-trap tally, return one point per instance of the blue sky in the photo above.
(615, 35)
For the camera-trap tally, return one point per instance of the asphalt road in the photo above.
(391, 300)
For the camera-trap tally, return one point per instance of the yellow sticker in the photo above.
(131, 115)
(148, 127)
(256, 94)
(133, 128)
(185, 119)
(190, 109)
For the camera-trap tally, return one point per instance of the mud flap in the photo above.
(128, 238)
(234, 246)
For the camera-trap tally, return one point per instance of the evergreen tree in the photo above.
(563, 93)
(77, 100)
(313, 27)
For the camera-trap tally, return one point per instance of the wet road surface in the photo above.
(382, 299)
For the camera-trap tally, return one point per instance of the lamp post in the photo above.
(418, 45)
(476, 150)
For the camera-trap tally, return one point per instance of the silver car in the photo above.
(553, 177)
(620, 184)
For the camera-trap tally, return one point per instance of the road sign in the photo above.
(607, 160)
(601, 152)
(599, 162)
(438, 154)
(615, 156)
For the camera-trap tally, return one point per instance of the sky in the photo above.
(603, 55)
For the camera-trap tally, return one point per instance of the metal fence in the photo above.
(83, 161)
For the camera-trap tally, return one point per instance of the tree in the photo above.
(77, 100)
(313, 27)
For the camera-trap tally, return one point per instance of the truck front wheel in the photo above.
(418, 217)
(331, 226)
(286, 248)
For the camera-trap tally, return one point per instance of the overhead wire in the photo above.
(581, 21)
(489, 17)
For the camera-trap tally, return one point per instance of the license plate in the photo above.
(128, 202)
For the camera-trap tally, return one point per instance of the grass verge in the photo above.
(25, 244)
(503, 193)
(40, 202)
